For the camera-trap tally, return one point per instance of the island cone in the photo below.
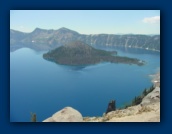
(79, 53)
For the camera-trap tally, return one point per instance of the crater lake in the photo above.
(43, 87)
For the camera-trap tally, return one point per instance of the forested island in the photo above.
(79, 53)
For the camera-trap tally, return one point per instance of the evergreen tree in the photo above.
(144, 92)
(134, 101)
(151, 88)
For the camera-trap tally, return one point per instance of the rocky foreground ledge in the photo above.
(147, 111)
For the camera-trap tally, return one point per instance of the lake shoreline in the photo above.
(156, 79)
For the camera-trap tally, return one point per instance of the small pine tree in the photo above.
(134, 101)
(144, 92)
(151, 88)
(138, 100)
(33, 117)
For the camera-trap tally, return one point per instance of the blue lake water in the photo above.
(44, 87)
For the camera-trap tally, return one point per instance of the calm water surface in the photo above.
(44, 87)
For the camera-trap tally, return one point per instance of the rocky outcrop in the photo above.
(147, 111)
(67, 114)
(152, 97)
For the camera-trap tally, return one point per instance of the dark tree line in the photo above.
(138, 99)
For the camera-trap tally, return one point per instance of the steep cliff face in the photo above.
(134, 41)
(41, 39)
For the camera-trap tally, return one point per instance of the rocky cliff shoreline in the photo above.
(147, 111)
(42, 39)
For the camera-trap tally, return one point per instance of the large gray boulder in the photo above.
(67, 114)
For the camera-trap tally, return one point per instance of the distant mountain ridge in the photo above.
(41, 39)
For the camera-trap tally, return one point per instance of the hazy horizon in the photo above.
(85, 34)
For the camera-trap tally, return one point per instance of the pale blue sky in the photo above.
(88, 21)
